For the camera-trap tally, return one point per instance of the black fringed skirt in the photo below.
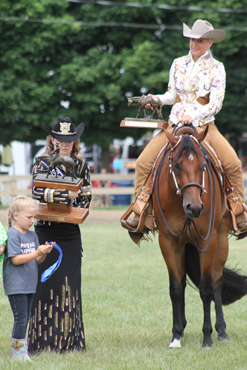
(56, 321)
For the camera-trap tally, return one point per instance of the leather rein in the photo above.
(212, 187)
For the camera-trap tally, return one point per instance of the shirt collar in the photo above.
(202, 58)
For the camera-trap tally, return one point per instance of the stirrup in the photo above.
(141, 223)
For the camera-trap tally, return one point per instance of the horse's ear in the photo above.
(201, 136)
(173, 139)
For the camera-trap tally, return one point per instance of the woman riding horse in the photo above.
(196, 89)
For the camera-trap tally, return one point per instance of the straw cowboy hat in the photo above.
(203, 30)
(64, 130)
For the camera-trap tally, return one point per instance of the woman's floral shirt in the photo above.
(188, 81)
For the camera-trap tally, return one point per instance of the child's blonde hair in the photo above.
(18, 205)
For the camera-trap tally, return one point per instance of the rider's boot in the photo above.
(242, 222)
(238, 211)
(143, 218)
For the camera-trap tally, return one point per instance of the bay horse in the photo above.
(193, 226)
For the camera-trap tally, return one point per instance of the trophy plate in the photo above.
(143, 123)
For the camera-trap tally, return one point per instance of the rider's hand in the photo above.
(185, 120)
(149, 105)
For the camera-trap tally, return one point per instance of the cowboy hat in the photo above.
(64, 130)
(203, 30)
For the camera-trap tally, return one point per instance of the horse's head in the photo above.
(130, 101)
(41, 158)
(187, 167)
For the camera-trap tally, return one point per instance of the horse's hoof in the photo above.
(207, 345)
(175, 344)
(222, 337)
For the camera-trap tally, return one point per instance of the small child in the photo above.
(20, 269)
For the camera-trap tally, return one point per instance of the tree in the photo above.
(87, 72)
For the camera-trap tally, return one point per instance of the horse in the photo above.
(54, 159)
(193, 225)
(62, 160)
(143, 100)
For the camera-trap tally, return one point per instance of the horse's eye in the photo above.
(178, 166)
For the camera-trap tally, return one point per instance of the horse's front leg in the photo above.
(48, 173)
(220, 324)
(144, 112)
(138, 113)
(219, 263)
(179, 322)
(206, 293)
(182, 313)
(154, 110)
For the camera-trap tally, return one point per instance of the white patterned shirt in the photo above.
(191, 80)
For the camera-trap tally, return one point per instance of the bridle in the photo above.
(170, 160)
(212, 187)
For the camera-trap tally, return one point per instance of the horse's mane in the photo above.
(187, 146)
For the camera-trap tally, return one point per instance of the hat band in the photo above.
(64, 134)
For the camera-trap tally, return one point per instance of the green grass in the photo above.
(128, 316)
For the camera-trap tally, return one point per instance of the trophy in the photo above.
(147, 122)
(59, 212)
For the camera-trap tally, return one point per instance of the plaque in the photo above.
(143, 123)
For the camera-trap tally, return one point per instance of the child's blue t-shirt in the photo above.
(20, 279)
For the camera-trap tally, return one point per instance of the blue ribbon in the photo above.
(52, 172)
(48, 272)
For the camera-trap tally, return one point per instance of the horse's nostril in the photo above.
(192, 211)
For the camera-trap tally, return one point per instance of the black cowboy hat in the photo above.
(64, 130)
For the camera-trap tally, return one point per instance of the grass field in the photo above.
(127, 312)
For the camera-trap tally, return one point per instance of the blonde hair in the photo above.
(18, 205)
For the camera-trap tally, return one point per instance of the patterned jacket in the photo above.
(195, 88)
(44, 195)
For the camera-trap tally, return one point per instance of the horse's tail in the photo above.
(234, 283)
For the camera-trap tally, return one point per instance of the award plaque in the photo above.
(143, 102)
(143, 123)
